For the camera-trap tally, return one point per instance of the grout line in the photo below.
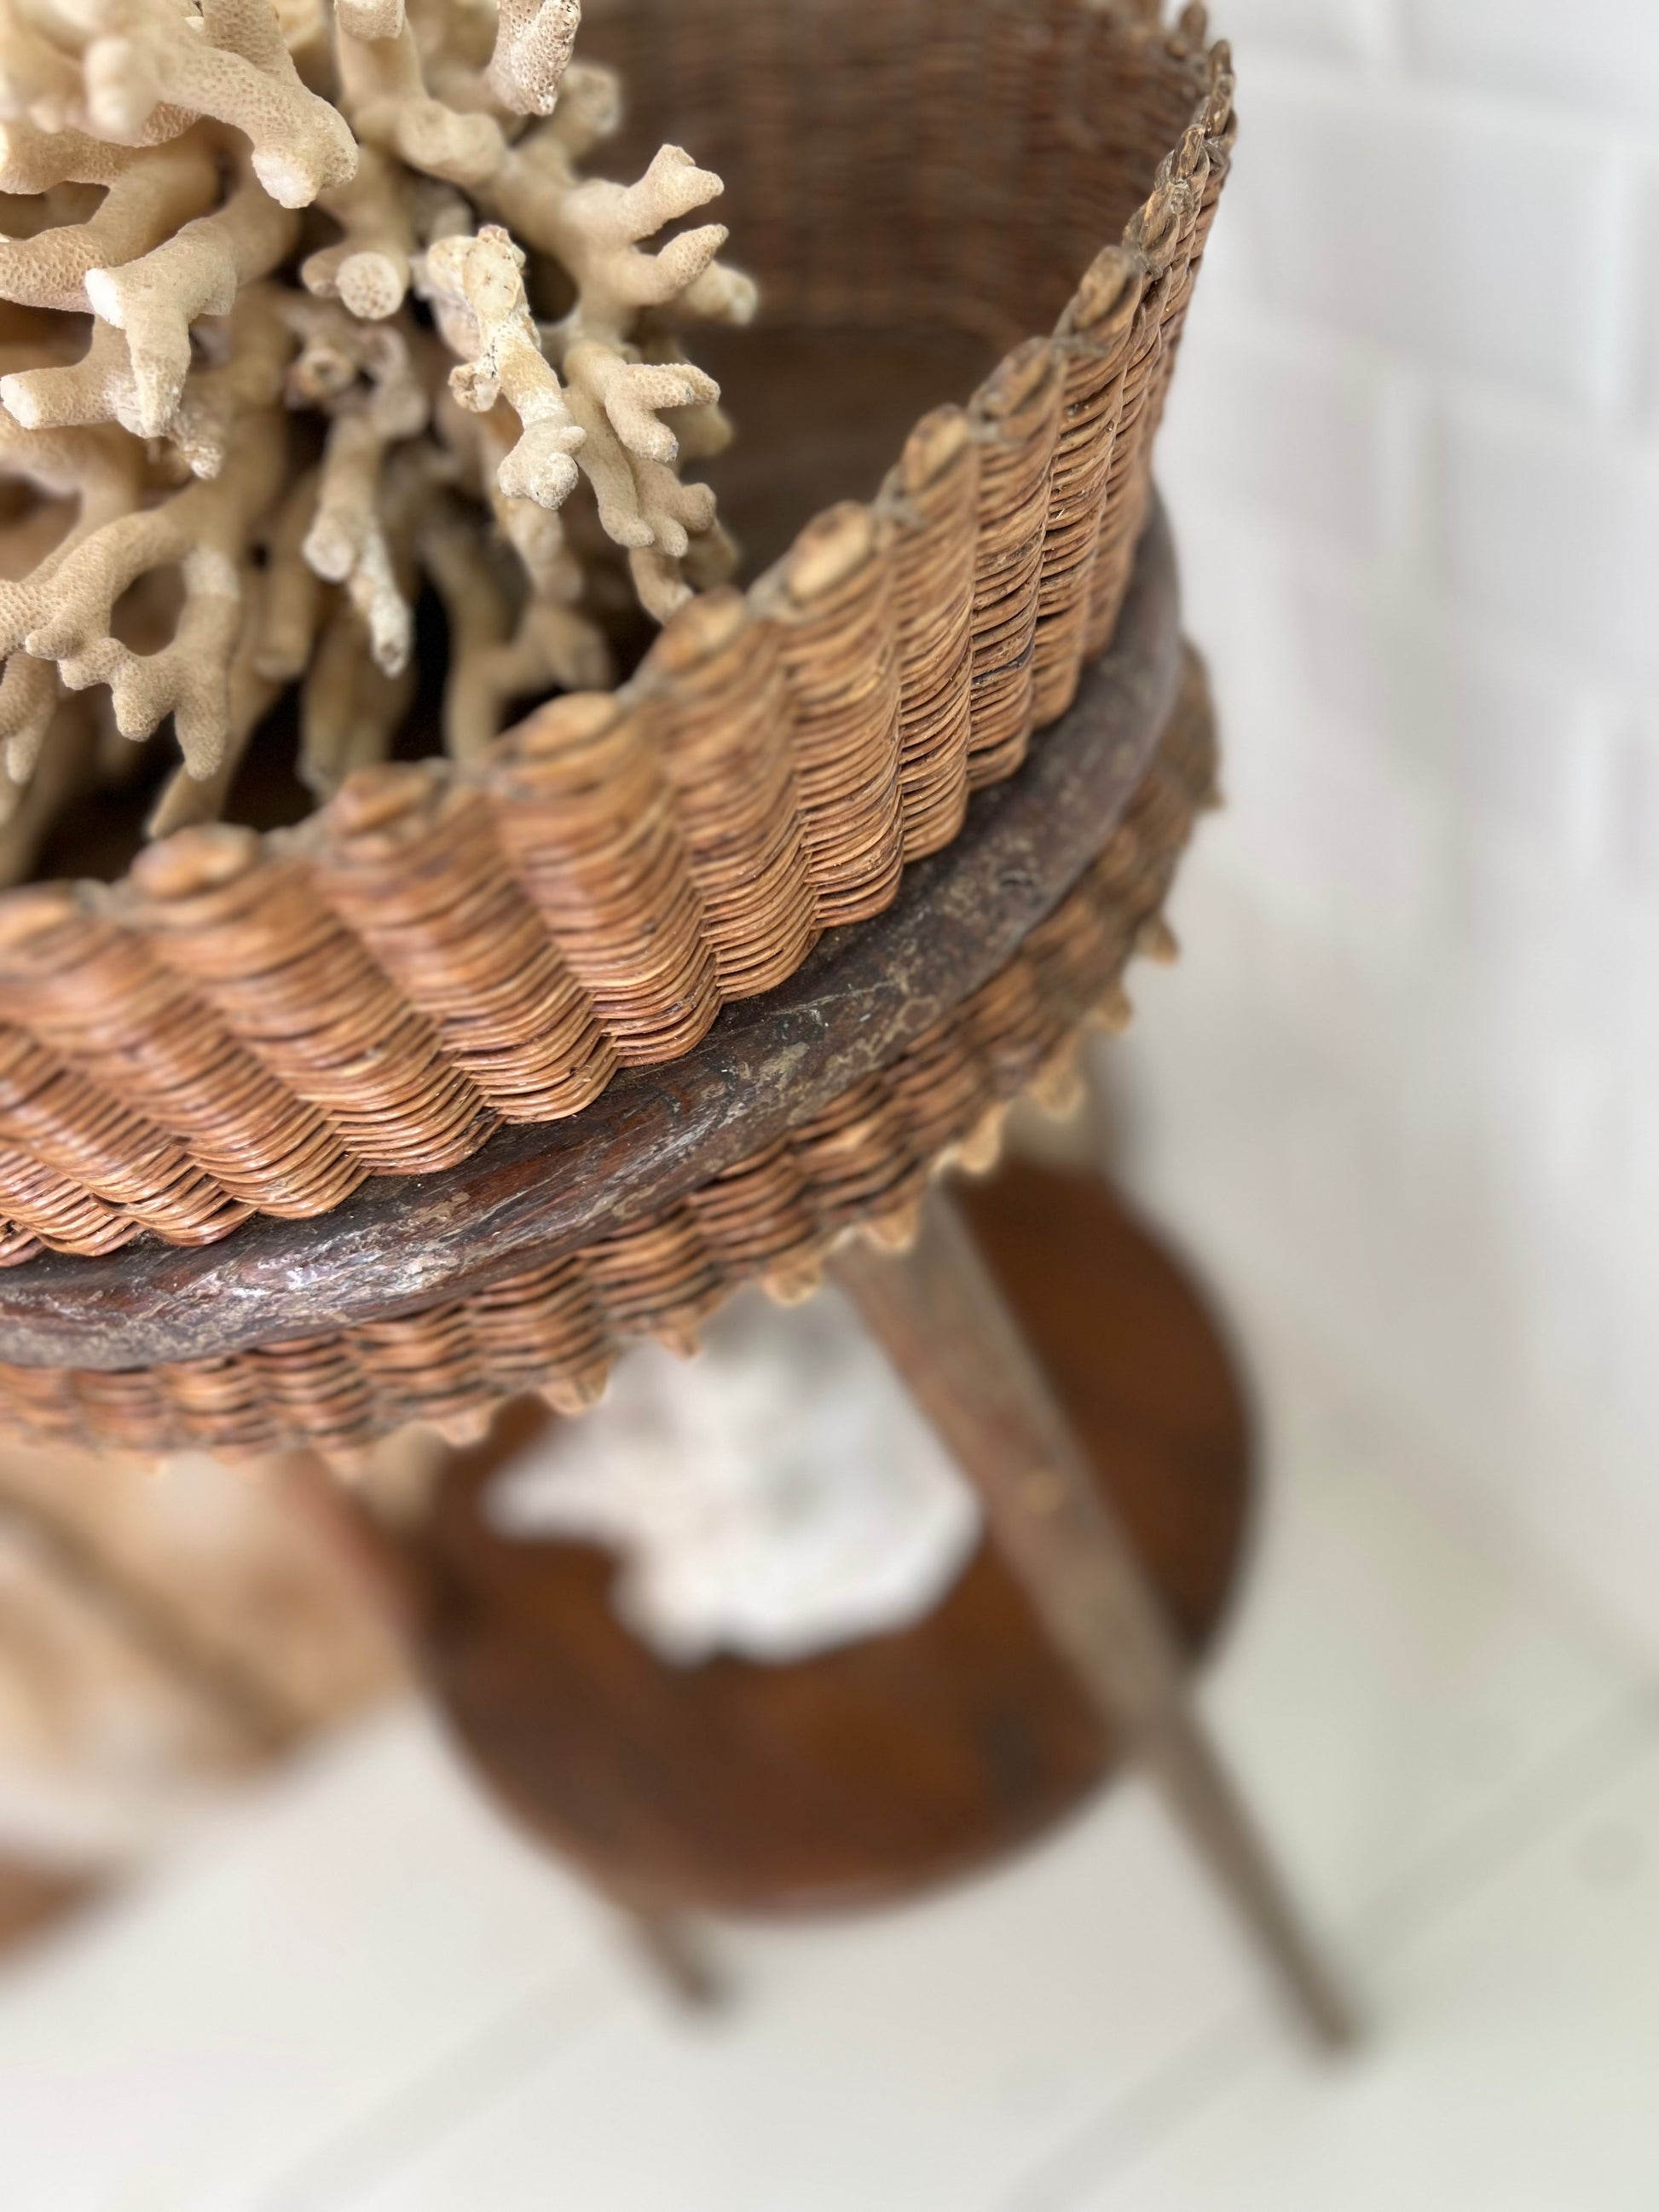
(1385, 594)
(1106, 2149)
(1384, 73)
(1614, 337)
(1410, 505)
(1469, 1493)
(342, 2174)
(1386, 588)
(1472, 1509)
(1109, 2147)
(1600, 722)
(1519, 1821)
(1297, 333)
(1383, 38)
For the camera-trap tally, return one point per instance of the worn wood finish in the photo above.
(860, 1163)
(34, 1900)
(402, 1243)
(867, 1771)
(948, 1332)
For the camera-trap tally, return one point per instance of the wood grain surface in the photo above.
(899, 1761)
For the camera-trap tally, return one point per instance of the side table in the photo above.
(825, 1109)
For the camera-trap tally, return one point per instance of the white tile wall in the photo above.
(1282, 420)
(1628, 764)
(1550, 526)
(1463, 231)
(1552, 1970)
(1410, 1071)
(1316, 27)
(1603, 54)
(1642, 258)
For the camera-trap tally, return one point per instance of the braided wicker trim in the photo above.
(250, 1024)
(863, 1164)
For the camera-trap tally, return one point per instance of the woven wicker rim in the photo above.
(862, 1164)
(255, 1023)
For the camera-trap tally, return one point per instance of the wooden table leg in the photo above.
(677, 1960)
(937, 1314)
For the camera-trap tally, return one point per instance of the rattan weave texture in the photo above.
(257, 1023)
(862, 1164)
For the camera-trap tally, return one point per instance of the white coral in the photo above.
(173, 534)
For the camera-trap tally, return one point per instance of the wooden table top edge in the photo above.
(533, 1194)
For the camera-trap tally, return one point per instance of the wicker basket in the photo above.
(250, 1024)
(862, 1162)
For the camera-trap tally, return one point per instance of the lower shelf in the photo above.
(896, 1763)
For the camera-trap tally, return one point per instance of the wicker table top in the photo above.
(770, 1063)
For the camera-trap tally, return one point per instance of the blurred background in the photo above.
(270, 1952)
(1414, 458)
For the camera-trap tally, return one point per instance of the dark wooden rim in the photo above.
(868, 992)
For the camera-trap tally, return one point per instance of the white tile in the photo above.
(327, 1945)
(1395, 1676)
(1630, 797)
(1269, 418)
(1407, 219)
(1603, 54)
(906, 2063)
(1334, 650)
(1550, 529)
(1344, 844)
(1438, 1168)
(1338, 819)
(1416, 1664)
(367, 1998)
(1512, 2064)
(1627, 742)
(1642, 277)
(1336, 29)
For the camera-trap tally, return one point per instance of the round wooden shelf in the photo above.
(897, 1762)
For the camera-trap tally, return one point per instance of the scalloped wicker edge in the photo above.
(863, 1164)
(257, 1023)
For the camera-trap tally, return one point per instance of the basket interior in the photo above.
(908, 162)
(917, 184)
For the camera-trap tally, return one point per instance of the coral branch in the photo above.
(102, 471)
(370, 19)
(224, 467)
(243, 358)
(349, 709)
(493, 659)
(155, 299)
(383, 94)
(596, 229)
(368, 270)
(34, 160)
(144, 204)
(153, 57)
(250, 696)
(533, 39)
(627, 454)
(480, 280)
(97, 388)
(346, 543)
(290, 609)
(68, 766)
(205, 530)
(30, 698)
